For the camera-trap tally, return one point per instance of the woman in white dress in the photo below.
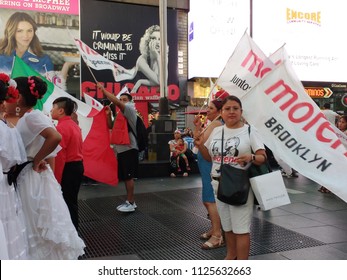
(51, 234)
(13, 241)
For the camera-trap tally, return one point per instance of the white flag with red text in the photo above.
(281, 56)
(245, 68)
(98, 62)
(293, 126)
(291, 123)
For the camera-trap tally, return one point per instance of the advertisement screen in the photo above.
(42, 34)
(129, 36)
(214, 29)
(312, 32)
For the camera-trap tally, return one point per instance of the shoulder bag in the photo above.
(234, 184)
(257, 170)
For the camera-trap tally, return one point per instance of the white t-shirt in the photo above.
(236, 142)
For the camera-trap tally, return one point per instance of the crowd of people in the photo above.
(42, 169)
(230, 225)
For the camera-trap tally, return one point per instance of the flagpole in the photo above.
(209, 95)
(90, 70)
(163, 102)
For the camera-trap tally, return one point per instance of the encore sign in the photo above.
(318, 92)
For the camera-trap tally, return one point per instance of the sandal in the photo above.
(208, 245)
(205, 236)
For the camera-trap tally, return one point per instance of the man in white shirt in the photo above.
(330, 114)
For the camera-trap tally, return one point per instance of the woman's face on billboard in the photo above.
(24, 34)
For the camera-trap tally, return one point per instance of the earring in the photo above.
(17, 111)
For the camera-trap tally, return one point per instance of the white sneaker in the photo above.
(127, 207)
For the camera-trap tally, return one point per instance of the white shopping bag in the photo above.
(270, 191)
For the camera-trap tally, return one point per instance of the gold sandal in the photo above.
(208, 245)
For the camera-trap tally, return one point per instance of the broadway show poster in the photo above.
(129, 36)
(41, 33)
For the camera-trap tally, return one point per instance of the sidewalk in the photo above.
(170, 218)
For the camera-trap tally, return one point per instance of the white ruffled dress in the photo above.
(51, 233)
(13, 239)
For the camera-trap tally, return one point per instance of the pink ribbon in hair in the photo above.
(32, 85)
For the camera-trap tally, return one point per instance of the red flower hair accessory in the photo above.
(12, 94)
(32, 86)
(5, 78)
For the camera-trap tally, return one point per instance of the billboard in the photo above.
(311, 32)
(214, 29)
(129, 36)
(41, 34)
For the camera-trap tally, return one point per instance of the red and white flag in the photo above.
(98, 62)
(245, 68)
(123, 90)
(95, 104)
(99, 160)
(293, 126)
(281, 56)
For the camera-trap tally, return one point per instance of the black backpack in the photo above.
(141, 134)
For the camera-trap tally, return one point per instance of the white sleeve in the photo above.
(257, 142)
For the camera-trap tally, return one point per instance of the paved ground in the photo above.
(170, 218)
